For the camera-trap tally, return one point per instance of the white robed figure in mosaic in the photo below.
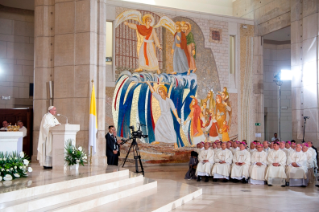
(45, 137)
(164, 128)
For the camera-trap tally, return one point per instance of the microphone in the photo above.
(67, 122)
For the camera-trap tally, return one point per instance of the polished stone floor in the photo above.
(236, 197)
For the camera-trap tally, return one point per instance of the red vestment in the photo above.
(142, 30)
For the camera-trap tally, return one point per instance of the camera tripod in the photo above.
(137, 156)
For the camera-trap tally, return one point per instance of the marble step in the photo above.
(64, 195)
(101, 198)
(56, 186)
(168, 195)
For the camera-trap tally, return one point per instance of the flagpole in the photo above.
(91, 147)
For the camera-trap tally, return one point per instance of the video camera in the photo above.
(135, 134)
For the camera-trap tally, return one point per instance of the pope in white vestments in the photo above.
(241, 163)
(45, 138)
(206, 161)
(223, 160)
(258, 166)
(276, 166)
(297, 164)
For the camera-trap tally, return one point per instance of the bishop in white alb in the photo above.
(223, 160)
(258, 167)
(241, 163)
(206, 162)
(276, 166)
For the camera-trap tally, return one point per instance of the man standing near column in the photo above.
(45, 138)
(112, 147)
(275, 137)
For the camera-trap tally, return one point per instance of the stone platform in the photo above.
(92, 188)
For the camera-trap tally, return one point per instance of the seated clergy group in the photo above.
(278, 163)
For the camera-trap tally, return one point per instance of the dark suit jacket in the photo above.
(111, 145)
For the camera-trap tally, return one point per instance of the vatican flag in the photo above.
(92, 123)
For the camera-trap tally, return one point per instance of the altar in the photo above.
(11, 141)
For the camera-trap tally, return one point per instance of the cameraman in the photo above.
(112, 147)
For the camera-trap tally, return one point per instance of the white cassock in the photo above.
(222, 170)
(310, 165)
(240, 172)
(23, 130)
(297, 172)
(199, 150)
(257, 173)
(276, 172)
(45, 140)
(217, 150)
(267, 150)
(287, 152)
(313, 152)
(251, 151)
(234, 150)
(204, 169)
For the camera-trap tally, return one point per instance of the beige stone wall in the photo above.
(276, 58)
(16, 56)
(268, 15)
(304, 64)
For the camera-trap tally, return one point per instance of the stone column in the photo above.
(258, 88)
(304, 63)
(44, 14)
(77, 46)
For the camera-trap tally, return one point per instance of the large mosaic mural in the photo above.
(167, 82)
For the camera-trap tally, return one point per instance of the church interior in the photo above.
(157, 105)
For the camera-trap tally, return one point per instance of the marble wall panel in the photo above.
(82, 83)
(84, 52)
(41, 107)
(64, 17)
(296, 54)
(42, 77)
(309, 51)
(310, 26)
(44, 20)
(309, 7)
(81, 105)
(296, 31)
(64, 50)
(296, 10)
(64, 78)
(82, 22)
(43, 48)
